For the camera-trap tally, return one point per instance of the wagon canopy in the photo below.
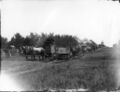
(63, 50)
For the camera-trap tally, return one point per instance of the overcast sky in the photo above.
(98, 20)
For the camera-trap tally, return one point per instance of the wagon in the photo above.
(50, 52)
(63, 53)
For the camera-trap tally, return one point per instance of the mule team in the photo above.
(42, 53)
(54, 52)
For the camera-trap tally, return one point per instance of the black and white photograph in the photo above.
(60, 45)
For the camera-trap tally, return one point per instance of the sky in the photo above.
(98, 20)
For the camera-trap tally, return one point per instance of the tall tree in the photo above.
(47, 45)
(48, 42)
(65, 40)
(27, 41)
(34, 39)
(17, 40)
(4, 42)
(42, 39)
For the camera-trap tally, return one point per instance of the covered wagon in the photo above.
(63, 53)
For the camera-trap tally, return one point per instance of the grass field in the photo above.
(82, 72)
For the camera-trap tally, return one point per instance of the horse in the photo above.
(39, 52)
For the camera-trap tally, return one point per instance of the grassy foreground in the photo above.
(93, 71)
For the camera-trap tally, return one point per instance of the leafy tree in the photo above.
(27, 41)
(4, 42)
(47, 45)
(34, 39)
(49, 41)
(17, 40)
(61, 40)
(42, 39)
(66, 41)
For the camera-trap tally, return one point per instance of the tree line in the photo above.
(36, 40)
